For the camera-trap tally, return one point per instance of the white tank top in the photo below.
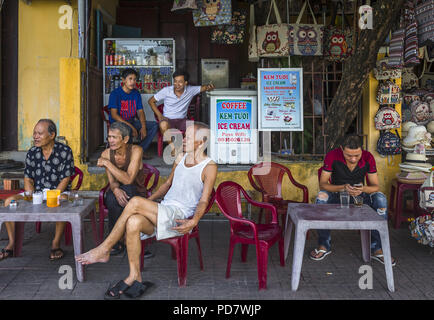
(187, 187)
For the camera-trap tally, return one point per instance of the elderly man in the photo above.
(49, 165)
(345, 169)
(123, 164)
(176, 100)
(186, 194)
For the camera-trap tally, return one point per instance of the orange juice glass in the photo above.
(53, 198)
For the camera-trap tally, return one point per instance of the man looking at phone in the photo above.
(345, 169)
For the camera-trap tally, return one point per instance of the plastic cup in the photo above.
(345, 199)
(53, 198)
(28, 196)
(38, 197)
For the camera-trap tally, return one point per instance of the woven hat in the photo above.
(430, 127)
(406, 126)
(415, 162)
(411, 177)
(415, 135)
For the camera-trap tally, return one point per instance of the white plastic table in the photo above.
(331, 216)
(29, 212)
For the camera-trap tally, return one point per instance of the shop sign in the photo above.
(234, 121)
(280, 101)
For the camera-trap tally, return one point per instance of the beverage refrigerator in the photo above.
(152, 58)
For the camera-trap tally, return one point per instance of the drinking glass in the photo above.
(345, 199)
(28, 195)
(358, 201)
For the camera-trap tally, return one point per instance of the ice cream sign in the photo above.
(280, 103)
(234, 121)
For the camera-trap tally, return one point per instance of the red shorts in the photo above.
(179, 124)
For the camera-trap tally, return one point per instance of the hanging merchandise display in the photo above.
(411, 48)
(253, 45)
(389, 144)
(184, 5)
(306, 39)
(387, 118)
(388, 92)
(396, 50)
(338, 40)
(425, 20)
(421, 112)
(409, 79)
(212, 13)
(232, 33)
(272, 39)
(382, 71)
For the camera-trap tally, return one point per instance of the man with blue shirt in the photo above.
(176, 100)
(125, 104)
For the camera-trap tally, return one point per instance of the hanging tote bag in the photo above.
(338, 41)
(306, 39)
(232, 33)
(184, 5)
(212, 13)
(253, 46)
(273, 38)
(425, 22)
(426, 193)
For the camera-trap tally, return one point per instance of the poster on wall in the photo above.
(234, 121)
(280, 101)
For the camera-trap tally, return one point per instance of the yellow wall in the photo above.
(386, 170)
(40, 45)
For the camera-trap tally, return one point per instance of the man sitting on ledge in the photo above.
(186, 193)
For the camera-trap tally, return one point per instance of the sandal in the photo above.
(115, 292)
(380, 258)
(137, 289)
(6, 253)
(117, 249)
(56, 254)
(324, 254)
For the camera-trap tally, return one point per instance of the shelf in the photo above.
(141, 66)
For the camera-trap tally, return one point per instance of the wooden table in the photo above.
(29, 212)
(331, 216)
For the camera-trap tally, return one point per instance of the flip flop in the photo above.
(324, 254)
(116, 289)
(54, 254)
(137, 289)
(380, 258)
(6, 253)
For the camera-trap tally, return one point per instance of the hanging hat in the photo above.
(416, 135)
(406, 126)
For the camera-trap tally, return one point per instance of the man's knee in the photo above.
(322, 197)
(134, 224)
(164, 125)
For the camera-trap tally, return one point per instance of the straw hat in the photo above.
(415, 162)
(412, 177)
(430, 127)
(406, 126)
(416, 135)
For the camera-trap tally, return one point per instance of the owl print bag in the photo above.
(212, 13)
(305, 39)
(272, 39)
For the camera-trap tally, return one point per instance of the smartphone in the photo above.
(358, 185)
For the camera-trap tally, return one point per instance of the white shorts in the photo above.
(166, 220)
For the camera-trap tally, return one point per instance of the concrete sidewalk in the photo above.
(33, 276)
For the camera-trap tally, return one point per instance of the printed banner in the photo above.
(280, 102)
(234, 121)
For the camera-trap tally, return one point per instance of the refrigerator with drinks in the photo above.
(152, 58)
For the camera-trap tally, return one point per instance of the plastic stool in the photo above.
(395, 207)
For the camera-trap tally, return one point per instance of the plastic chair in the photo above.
(193, 112)
(396, 209)
(246, 231)
(270, 185)
(105, 112)
(149, 171)
(68, 230)
(180, 248)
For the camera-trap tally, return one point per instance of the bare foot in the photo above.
(93, 256)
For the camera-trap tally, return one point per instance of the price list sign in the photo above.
(280, 101)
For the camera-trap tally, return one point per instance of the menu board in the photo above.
(234, 120)
(280, 101)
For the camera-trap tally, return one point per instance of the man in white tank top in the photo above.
(186, 193)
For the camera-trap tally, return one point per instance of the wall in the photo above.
(40, 45)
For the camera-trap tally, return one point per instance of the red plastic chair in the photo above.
(246, 231)
(193, 112)
(180, 248)
(149, 171)
(68, 230)
(266, 177)
(105, 112)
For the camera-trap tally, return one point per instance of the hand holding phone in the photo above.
(358, 185)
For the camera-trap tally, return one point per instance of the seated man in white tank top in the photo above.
(186, 193)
